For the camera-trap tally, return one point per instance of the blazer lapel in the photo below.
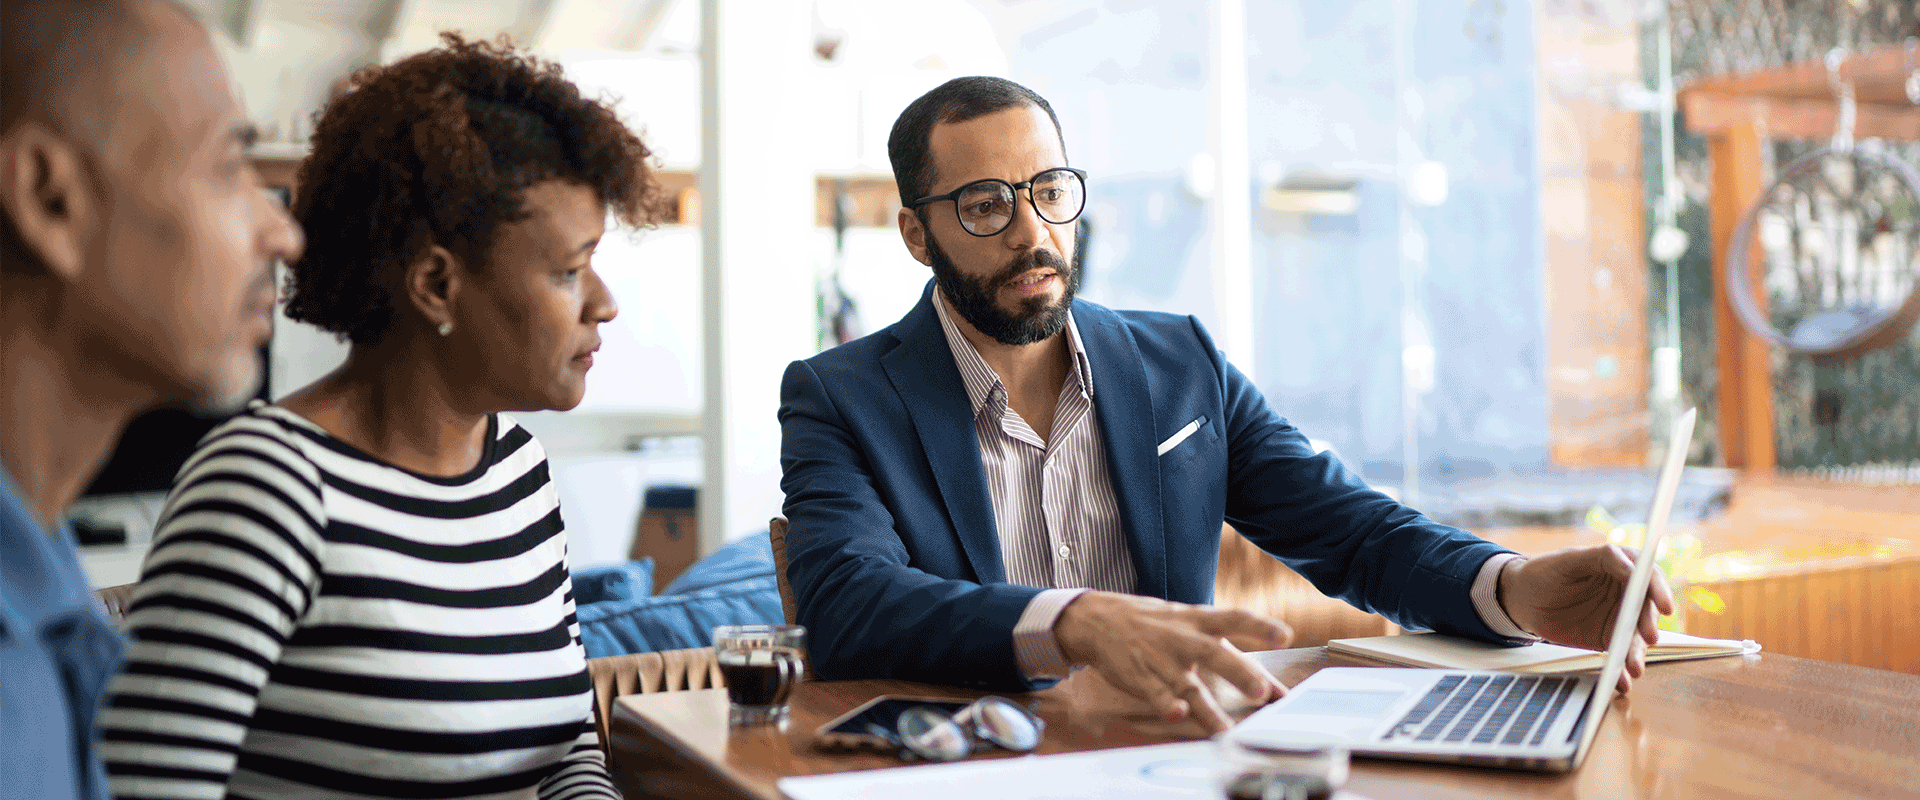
(923, 372)
(1128, 420)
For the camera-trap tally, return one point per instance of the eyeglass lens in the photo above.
(986, 207)
(1006, 724)
(932, 734)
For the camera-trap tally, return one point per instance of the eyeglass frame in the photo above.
(1015, 188)
(968, 722)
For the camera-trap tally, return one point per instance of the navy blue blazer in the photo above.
(891, 546)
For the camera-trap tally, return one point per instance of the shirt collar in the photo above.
(13, 503)
(982, 384)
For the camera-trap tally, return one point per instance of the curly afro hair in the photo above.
(440, 148)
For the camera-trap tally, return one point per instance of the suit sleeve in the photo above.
(1351, 541)
(870, 612)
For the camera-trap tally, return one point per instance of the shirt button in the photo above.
(1065, 551)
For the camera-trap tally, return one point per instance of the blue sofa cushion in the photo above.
(749, 557)
(613, 582)
(733, 586)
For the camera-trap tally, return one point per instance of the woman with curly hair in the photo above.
(362, 590)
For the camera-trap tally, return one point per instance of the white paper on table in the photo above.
(1182, 770)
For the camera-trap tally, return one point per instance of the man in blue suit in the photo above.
(1009, 483)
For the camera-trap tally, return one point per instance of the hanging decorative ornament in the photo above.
(1913, 73)
(1427, 183)
(1839, 236)
(1669, 243)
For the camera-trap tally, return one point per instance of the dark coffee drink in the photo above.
(760, 664)
(761, 677)
(1267, 786)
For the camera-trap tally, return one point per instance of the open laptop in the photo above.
(1502, 719)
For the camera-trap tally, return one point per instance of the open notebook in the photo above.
(1440, 651)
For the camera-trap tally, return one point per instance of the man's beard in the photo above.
(242, 377)
(227, 400)
(974, 298)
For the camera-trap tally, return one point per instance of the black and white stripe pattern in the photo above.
(314, 623)
(1053, 499)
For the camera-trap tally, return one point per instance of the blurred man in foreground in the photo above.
(136, 256)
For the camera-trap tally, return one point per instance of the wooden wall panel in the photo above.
(1865, 615)
(1806, 568)
(1591, 209)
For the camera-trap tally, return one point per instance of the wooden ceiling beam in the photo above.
(1709, 113)
(1877, 76)
(535, 16)
(645, 22)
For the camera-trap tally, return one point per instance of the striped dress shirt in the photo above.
(1053, 500)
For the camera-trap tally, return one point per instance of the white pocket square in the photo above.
(1181, 435)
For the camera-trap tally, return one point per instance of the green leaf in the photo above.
(1598, 519)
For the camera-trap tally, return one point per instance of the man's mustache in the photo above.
(1030, 260)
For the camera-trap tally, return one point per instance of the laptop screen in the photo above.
(1625, 624)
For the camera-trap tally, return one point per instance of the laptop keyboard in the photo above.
(1485, 709)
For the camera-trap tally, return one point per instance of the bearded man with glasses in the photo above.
(1010, 483)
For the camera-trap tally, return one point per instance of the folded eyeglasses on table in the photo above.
(935, 734)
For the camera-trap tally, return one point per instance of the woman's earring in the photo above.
(446, 329)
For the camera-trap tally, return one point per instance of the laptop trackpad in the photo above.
(1320, 716)
(1344, 703)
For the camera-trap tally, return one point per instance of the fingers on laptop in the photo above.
(1203, 706)
(1246, 630)
(1636, 664)
(1620, 564)
(1162, 697)
(1649, 624)
(1240, 631)
(1181, 680)
(1173, 689)
(1662, 593)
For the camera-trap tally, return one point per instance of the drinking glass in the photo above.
(1246, 772)
(760, 664)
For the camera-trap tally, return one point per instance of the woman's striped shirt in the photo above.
(312, 622)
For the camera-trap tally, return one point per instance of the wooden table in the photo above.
(1765, 726)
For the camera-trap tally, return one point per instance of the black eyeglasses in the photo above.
(985, 207)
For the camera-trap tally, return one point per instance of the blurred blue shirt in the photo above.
(57, 651)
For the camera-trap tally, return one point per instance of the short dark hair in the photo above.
(957, 100)
(53, 48)
(440, 148)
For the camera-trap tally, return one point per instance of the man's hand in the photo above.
(1162, 653)
(1570, 597)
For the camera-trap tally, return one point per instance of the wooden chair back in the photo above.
(642, 673)
(777, 531)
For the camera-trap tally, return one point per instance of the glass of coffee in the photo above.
(760, 664)
(1244, 771)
